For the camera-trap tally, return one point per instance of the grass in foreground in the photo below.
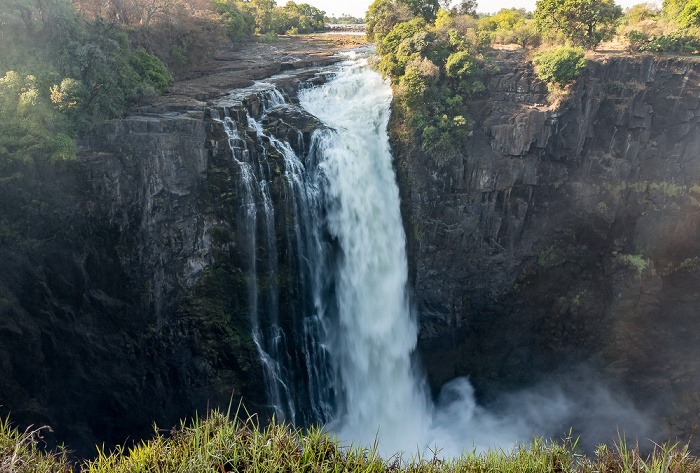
(219, 443)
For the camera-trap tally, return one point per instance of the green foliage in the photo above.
(226, 442)
(20, 452)
(151, 70)
(524, 34)
(465, 69)
(690, 16)
(425, 8)
(404, 42)
(635, 260)
(505, 19)
(688, 265)
(68, 97)
(382, 16)
(674, 42)
(549, 257)
(433, 68)
(30, 128)
(266, 17)
(672, 8)
(641, 12)
(269, 38)
(584, 22)
(560, 66)
(509, 25)
(240, 24)
(61, 75)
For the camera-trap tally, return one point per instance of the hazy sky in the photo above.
(358, 7)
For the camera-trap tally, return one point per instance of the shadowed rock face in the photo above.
(123, 297)
(565, 237)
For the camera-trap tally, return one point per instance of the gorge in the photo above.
(199, 250)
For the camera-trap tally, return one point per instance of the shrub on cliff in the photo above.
(151, 70)
(433, 68)
(560, 66)
(673, 42)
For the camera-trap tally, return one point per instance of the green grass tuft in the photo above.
(224, 443)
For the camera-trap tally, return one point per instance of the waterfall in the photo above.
(375, 332)
(341, 353)
(289, 340)
(344, 357)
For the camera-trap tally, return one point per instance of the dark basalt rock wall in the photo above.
(123, 298)
(565, 237)
(556, 238)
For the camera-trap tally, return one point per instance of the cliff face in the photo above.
(125, 290)
(556, 239)
(563, 238)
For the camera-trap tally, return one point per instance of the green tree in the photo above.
(465, 7)
(30, 130)
(382, 16)
(672, 8)
(426, 8)
(690, 16)
(584, 22)
(240, 23)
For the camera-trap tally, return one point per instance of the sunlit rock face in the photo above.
(562, 240)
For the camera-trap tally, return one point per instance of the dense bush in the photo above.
(690, 15)
(30, 127)
(509, 25)
(674, 42)
(560, 66)
(151, 71)
(61, 75)
(433, 69)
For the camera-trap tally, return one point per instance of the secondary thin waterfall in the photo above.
(375, 332)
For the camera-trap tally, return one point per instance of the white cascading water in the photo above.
(347, 358)
(380, 393)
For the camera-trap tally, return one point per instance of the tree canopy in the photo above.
(383, 15)
(584, 22)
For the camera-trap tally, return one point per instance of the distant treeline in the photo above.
(344, 20)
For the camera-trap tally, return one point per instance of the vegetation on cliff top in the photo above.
(223, 442)
(437, 59)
